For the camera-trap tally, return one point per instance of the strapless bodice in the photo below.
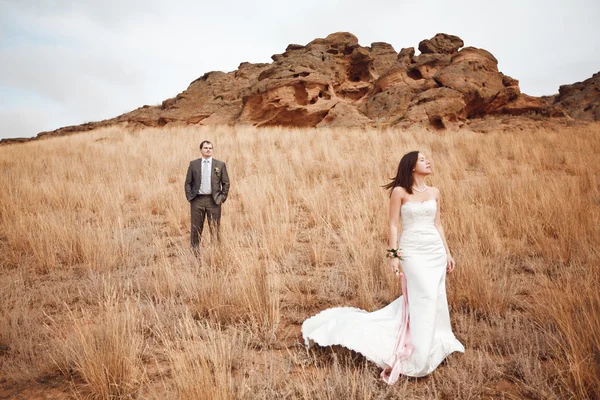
(418, 215)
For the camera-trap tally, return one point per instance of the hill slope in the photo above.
(100, 296)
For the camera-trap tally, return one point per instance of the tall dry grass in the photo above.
(100, 296)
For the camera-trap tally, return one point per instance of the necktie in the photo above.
(205, 184)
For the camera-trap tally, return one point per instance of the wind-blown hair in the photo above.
(404, 176)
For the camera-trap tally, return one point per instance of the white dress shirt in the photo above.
(205, 183)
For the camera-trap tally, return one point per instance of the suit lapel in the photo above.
(216, 164)
(214, 177)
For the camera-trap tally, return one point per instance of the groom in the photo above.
(206, 188)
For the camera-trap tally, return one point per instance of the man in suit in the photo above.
(206, 188)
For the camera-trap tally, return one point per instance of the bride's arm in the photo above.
(394, 222)
(440, 229)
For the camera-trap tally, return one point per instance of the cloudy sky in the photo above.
(65, 62)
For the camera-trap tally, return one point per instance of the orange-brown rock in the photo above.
(334, 81)
(384, 58)
(474, 73)
(438, 106)
(426, 66)
(442, 44)
(390, 103)
(581, 100)
(344, 115)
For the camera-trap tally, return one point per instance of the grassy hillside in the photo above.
(100, 296)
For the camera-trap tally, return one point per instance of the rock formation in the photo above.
(336, 82)
(581, 100)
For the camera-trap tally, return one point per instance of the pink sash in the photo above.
(403, 348)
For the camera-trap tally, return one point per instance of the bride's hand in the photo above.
(451, 264)
(395, 266)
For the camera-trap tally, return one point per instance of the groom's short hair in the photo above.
(205, 142)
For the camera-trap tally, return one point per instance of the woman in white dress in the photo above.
(412, 335)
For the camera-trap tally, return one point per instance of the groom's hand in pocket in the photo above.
(220, 199)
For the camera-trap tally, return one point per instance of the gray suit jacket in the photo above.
(219, 180)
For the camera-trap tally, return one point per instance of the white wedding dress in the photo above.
(412, 335)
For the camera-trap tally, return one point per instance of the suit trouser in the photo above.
(204, 207)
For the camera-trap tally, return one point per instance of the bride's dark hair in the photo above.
(404, 176)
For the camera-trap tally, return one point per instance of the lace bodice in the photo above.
(418, 215)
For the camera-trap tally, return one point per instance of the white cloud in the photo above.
(90, 60)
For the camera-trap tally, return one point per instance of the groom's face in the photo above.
(206, 150)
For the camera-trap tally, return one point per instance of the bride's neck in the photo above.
(418, 181)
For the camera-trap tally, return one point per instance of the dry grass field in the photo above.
(100, 296)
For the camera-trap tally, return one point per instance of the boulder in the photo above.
(384, 58)
(391, 103)
(426, 66)
(581, 100)
(474, 73)
(344, 115)
(441, 43)
(406, 55)
(438, 106)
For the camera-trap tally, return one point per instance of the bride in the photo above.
(412, 335)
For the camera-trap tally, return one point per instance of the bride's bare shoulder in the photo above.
(399, 191)
(436, 192)
(397, 196)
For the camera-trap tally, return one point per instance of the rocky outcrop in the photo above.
(581, 100)
(441, 44)
(334, 81)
